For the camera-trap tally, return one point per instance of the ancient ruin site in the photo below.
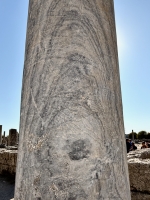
(71, 141)
(138, 166)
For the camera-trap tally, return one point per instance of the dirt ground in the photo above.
(7, 186)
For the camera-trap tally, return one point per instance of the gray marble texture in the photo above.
(71, 129)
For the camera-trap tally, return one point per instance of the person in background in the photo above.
(148, 144)
(143, 145)
(128, 145)
(133, 147)
(130, 142)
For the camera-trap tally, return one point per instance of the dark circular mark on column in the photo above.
(79, 150)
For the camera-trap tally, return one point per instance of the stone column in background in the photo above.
(0, 134)
(13, 137)
(7, 140)
(71, 143)
(17, 139)
(4, 139)
(132, 135)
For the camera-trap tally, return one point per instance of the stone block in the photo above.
(139, 173)
(139, 196)
(8, 160)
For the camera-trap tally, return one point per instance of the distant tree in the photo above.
(148, 135)
(142, 135)
(135, 135)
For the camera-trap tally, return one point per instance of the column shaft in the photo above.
(71, 144)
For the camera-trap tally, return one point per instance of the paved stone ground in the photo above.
(7, 186)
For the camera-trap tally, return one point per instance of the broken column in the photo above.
(13, 137)
(4, 139)
(71, 143)
(0, 134)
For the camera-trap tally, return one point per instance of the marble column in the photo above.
(132, 136)
(4, 139)
(0, 134)
(13, 137)
(71, 144)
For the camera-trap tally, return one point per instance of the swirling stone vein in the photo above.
(71, 128)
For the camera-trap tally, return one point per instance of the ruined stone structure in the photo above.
(8, 160)
(71, 143)
(0, 134)
(4, 138)
(13, 137)
(138, 161)
(139, 173)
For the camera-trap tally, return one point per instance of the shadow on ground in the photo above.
(7, 185)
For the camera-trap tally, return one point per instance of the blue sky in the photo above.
(133, 33)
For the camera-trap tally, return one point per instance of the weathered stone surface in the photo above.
(139, 196)
(13, 137)
(4, 138)
(0, 134)
(141, 154)
(11, 148)
(8, 161)
(139, 172)
(71, 130)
